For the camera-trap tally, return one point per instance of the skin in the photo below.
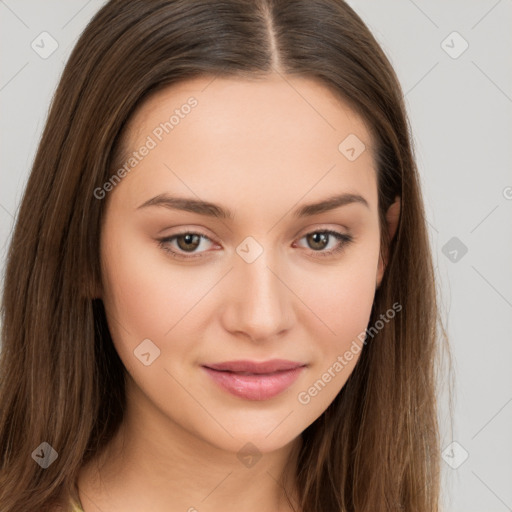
(262, 149)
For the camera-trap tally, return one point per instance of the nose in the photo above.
(258, 303)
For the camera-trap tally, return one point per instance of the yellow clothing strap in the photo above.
(75, 507)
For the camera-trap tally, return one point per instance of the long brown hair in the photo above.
(376, 447)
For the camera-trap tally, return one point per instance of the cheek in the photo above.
(144, 295)
(342, 298)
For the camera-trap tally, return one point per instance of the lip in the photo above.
(253, 380)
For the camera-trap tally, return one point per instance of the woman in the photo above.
(225, 298)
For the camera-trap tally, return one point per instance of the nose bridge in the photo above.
(260, 305)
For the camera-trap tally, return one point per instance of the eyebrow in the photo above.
(214, 210)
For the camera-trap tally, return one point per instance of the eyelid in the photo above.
(342, 238)
(183, 255)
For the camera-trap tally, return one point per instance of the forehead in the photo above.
(245, 137)
(253, 105)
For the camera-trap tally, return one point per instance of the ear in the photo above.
(392, 218)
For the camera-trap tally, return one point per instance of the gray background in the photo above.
(460, 105)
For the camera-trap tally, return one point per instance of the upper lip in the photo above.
(272, 365)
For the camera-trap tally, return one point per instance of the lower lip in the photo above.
(256, 386)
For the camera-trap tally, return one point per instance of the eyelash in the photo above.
(343, 239)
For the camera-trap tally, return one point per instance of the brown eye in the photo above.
(184, 245)
(317, 241)
(188, 242)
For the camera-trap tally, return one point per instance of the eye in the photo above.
(319, 240)
(184, 245)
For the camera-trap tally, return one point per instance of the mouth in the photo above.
(252, 380)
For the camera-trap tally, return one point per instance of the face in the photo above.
(234, 262)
